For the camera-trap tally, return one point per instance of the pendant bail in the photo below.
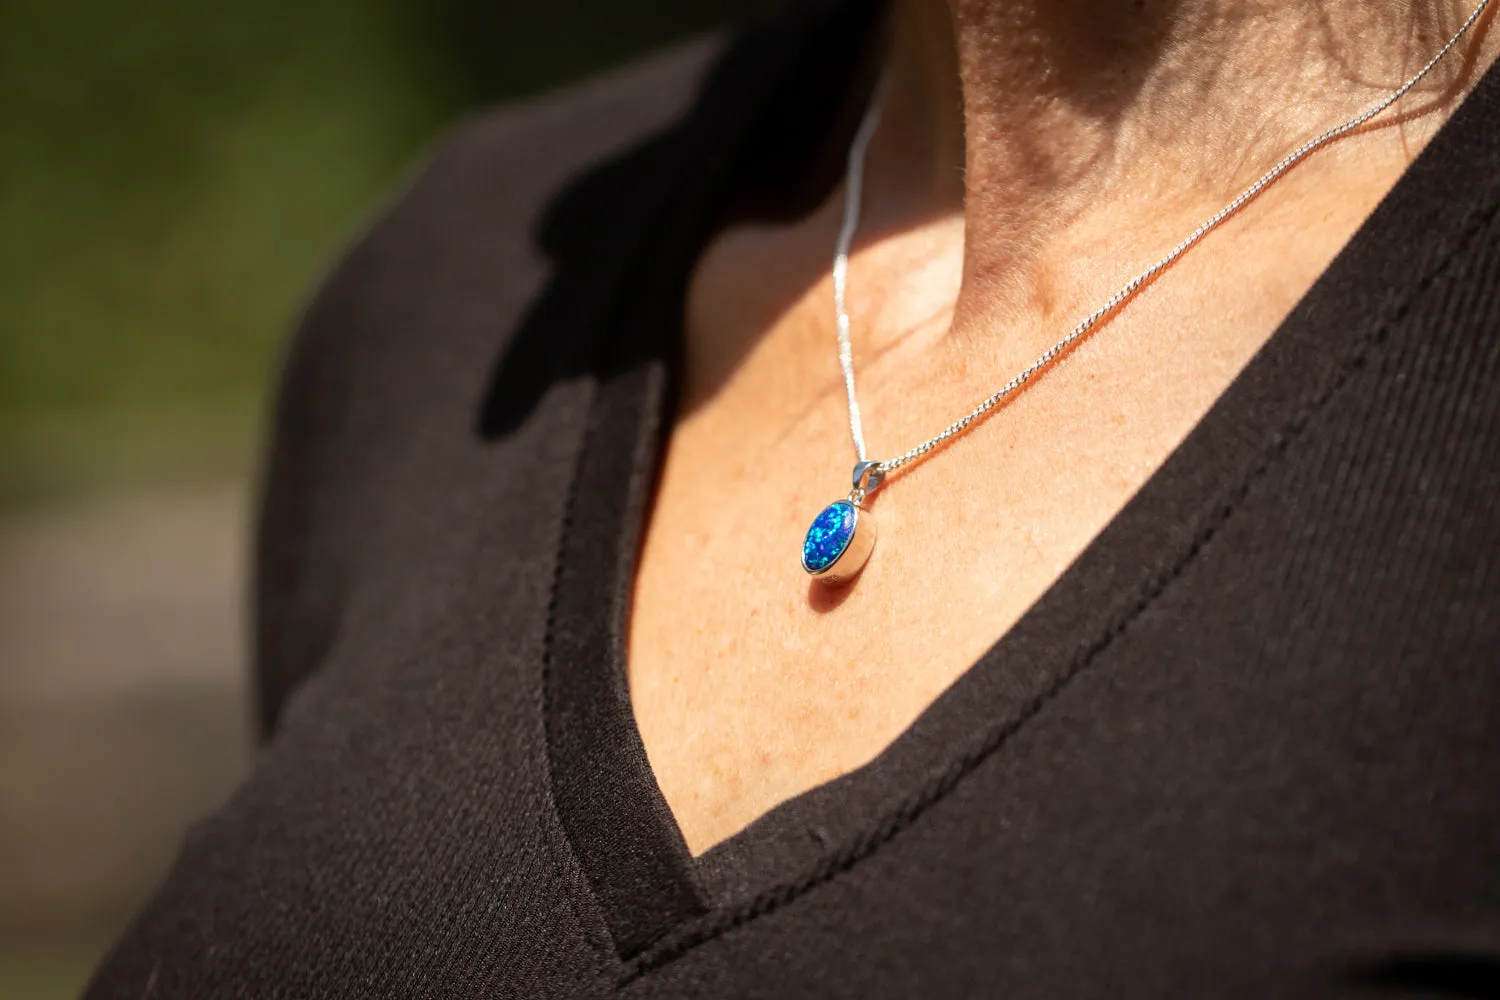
(867, 479)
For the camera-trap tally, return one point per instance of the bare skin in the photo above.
(1032, 157)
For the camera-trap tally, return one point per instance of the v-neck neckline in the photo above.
(655, 897)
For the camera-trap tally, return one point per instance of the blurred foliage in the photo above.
(174, 175)
(49, 970)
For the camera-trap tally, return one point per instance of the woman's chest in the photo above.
(752, 682)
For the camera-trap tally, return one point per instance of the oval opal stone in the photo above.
(829, 536)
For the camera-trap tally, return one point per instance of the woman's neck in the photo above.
(1027, 114)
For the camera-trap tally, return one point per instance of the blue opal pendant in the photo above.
(841, 538)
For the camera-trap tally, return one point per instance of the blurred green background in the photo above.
(174, 177)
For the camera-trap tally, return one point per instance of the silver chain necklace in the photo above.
(842, 536)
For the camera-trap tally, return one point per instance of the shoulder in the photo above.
(484, 185)
(470, 213)
(395, 344)
(467, 227)
(498, 167)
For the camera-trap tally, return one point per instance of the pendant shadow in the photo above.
(824, 597)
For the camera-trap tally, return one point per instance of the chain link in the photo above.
(852, 196)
